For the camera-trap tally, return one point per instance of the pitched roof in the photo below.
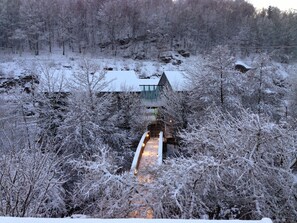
(119, 81)
(177, 80)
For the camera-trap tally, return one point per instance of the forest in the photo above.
(69, 152)
(144, 28)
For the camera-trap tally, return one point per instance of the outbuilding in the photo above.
(242, 66)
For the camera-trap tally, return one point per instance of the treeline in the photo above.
(144, 27)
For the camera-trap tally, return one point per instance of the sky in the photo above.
(281, 4)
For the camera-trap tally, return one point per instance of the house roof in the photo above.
(177, 80)
(152, 81)
(119, 81)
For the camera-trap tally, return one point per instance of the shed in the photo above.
(242, 66)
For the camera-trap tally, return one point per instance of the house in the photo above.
(151, 95)
(116, 83)
(150, 91)
(120, 82)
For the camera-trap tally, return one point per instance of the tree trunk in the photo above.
(260, 90)
(37, 48)
(50, 44)
(221, 89)
(63, 46)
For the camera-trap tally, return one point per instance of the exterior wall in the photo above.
(164, 81)
(150, 92)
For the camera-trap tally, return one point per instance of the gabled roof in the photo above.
(119, 81)
(177, 80)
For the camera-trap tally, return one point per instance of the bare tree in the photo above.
(87, 111)
(175, 109)
(30, 175)
(266, 87)
(100, 192)
(215, 82)
(234, 167)
(31, 184)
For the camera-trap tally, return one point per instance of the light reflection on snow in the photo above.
(145, 175)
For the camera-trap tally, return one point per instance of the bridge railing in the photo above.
(144, 139)
(160, 149)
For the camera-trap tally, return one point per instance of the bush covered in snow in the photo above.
(234, 167)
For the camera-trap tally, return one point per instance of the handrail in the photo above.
(160, 149)
(145, 137)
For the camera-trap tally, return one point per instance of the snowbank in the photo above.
(69, 220)
(15, 65)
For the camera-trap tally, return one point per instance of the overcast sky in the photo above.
(281, 4)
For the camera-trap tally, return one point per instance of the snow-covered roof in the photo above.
(240, 62)
(119, 81)
(152, 81)
(177, 80)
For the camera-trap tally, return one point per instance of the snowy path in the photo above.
(149, 157)
(145, 176)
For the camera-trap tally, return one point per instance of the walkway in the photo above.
(148, 161)
(145, 176)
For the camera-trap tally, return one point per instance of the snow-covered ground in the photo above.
(15, 65)
(56, 71)
(79, 220)
(59, 66)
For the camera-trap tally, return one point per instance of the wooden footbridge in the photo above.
(148, 156)
(149, 153)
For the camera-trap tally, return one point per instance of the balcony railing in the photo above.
(150, 92)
